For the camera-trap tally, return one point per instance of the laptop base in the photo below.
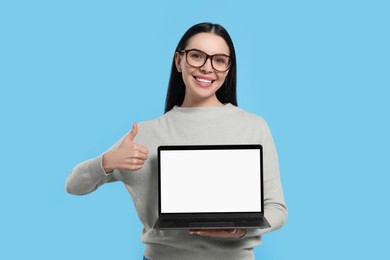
(169, 223)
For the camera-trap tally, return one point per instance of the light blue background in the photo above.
(74, 75)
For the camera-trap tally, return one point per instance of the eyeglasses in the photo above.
(196, 58)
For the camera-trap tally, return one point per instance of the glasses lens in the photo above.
(196, 58)
(221, 62)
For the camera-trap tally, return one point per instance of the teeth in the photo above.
(203, 80)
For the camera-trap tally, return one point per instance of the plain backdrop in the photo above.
(74, 75)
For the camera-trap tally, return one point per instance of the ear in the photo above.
(178, 61)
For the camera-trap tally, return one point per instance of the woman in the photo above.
(201, 108)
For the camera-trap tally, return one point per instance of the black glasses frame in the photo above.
(207, 57)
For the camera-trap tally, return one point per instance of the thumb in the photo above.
(130, 136)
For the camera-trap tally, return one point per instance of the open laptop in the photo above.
(210, 187)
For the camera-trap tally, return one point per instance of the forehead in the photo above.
(209, 43)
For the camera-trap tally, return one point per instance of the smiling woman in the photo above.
(205, 54)
(201, 108)
(200, 77)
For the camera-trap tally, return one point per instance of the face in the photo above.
(202, 83)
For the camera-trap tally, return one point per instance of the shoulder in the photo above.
(150, 124)
(154, 125)
(249, 117)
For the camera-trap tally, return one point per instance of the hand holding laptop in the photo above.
(225, 233)
(128, 156)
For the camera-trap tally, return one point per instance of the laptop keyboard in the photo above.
(200, 220)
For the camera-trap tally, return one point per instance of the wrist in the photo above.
(105, 163)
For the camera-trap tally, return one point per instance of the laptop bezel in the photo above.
(210, 147)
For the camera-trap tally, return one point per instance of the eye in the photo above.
(196, 55)
(221, 59)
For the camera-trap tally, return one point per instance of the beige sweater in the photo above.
(216, 125)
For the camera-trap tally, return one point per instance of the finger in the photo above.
(140, 148)
(143, 149)
(237, 232)
(140, 156)
(134, 167)
(217, 232)
(205, 232)
(137, 161)
(134, 131)
(131, 166)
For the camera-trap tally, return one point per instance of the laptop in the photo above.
(210, 187)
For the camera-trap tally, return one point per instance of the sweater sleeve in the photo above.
(275, 209)
(87, 177)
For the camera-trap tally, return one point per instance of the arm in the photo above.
(87, 177)
(124, 155)
(275, 209)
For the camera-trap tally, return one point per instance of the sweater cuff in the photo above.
(252, 232)
(96, 166)
(86, 177)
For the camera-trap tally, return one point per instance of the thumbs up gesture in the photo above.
(127, 156)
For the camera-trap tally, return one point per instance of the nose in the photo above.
(207, 66)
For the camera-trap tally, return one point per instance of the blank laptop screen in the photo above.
(195, 181)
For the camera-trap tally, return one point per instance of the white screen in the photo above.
(210, 181)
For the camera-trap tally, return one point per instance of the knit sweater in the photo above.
(213, 125)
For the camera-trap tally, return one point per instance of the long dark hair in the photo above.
(176, 87)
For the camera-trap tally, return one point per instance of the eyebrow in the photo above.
(196, 49)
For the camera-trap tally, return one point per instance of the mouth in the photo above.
(204, 80)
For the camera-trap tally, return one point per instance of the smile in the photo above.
(204, 80)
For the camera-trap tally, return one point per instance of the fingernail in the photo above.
(196, 233)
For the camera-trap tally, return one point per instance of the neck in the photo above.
(201, 102)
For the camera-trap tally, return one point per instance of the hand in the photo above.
(128, 156)
(226, 233)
